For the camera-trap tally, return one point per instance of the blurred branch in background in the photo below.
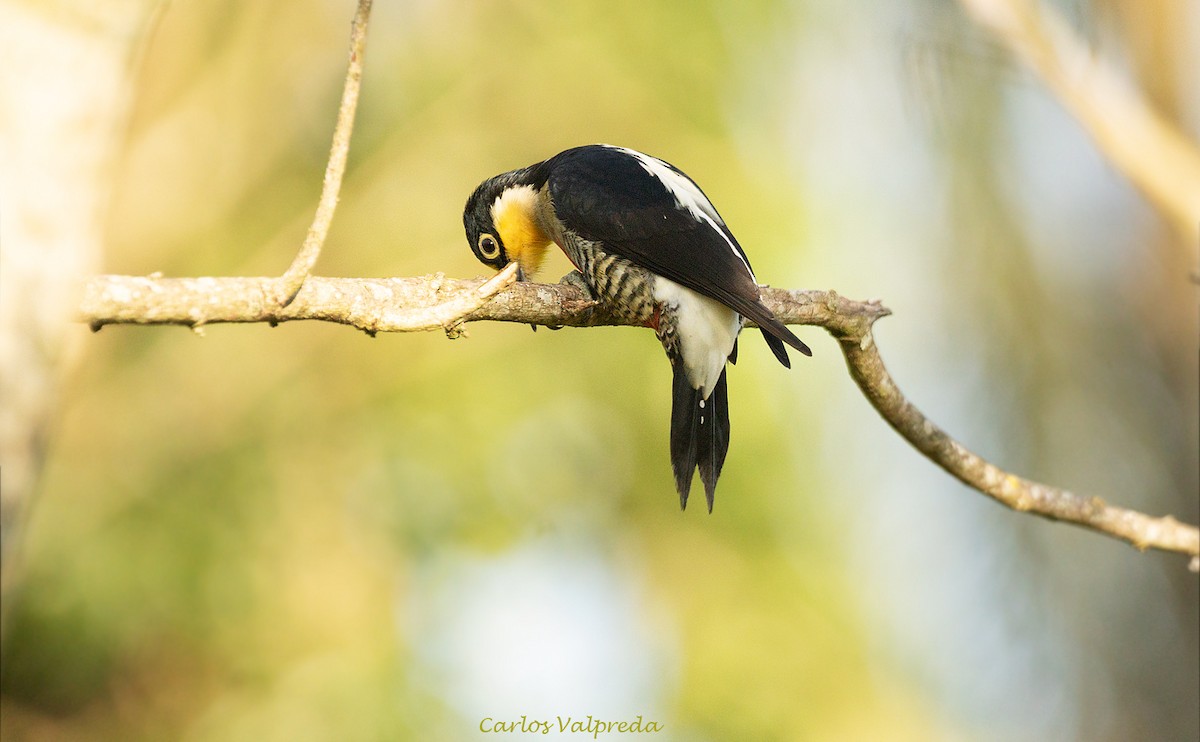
(65, 92)
(1146, 148)
(53, 232)
(433, 302)
(302, 265)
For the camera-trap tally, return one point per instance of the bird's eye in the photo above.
(488, 247)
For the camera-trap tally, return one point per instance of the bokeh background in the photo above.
(303, 533)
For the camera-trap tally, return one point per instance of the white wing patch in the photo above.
(707, 331)
(687, 196)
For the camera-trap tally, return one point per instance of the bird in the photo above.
(648, 244)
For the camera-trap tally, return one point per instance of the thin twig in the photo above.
(288, 285)
(437, 302)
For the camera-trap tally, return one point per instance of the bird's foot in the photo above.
(575, 278)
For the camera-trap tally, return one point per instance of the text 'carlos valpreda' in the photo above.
(568, 724)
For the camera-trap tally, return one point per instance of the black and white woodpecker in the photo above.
(650, 245)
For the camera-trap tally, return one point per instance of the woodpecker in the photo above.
(647, 242)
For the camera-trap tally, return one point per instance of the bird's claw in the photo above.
(575, 278)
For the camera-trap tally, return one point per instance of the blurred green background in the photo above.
(305, 533)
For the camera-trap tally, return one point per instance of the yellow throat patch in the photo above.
(523, 240)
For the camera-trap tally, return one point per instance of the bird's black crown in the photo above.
(477, 217)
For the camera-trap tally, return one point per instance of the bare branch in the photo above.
(867, 369)
(291, 281)
(437, 302)
(402, 304)
(370, 304)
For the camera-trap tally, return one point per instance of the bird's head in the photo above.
(501, 223)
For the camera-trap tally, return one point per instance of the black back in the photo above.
(606, 194)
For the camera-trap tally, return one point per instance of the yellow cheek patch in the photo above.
(524, 241)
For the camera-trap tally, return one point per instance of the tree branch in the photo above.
(436, 302)
(1142, 531)
(292, 279)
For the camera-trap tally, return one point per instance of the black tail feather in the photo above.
(714, 438)
(685, 404)
(699, 434)
(778, 348)
(774, 332)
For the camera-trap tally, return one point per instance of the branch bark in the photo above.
(436, 302)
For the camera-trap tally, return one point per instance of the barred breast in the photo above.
(627, 289)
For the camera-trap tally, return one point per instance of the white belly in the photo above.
(706, 330)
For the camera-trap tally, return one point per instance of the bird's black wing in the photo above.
(656, 220)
